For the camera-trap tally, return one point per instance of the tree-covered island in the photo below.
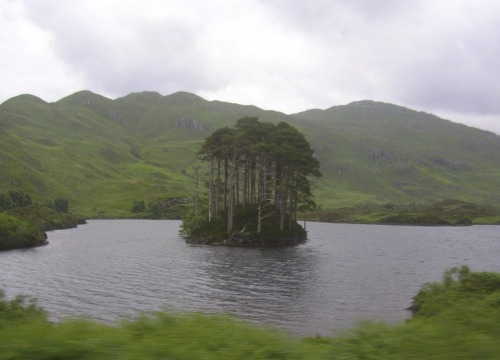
(257, 181)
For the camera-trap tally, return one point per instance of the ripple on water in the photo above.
(344, 273)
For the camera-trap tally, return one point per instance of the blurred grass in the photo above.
(456, 319)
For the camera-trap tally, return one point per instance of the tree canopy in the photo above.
(258, 166)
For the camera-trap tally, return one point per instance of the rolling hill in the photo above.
(103, 154)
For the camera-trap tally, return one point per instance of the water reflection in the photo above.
(111, 268)
(260, 283)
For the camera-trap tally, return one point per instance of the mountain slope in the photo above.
(390, 152)
(103, 154)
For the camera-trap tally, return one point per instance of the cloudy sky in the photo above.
(438, 56)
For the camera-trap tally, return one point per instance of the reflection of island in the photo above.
(266, 285)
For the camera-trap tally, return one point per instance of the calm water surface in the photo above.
(108, 269)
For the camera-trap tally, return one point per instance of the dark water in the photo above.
(344, 273)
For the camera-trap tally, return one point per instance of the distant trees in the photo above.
(138, 207)
(14, 199)
(17, 199)
(61, 205)
(258, 164)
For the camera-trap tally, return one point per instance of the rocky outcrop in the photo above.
(187, 122)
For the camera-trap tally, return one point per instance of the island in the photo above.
(257, 181)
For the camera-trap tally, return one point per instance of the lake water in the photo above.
(109, 269)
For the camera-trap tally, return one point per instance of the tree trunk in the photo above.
(244, 186)
(283, 204)
(260, 194)
(217, 189)
(225, 184)
(210, 189)
(233, 178)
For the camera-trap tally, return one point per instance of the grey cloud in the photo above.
(409, 52)
(130, 54)
(432, 55)
(458, 72)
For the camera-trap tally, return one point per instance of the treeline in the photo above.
(448, 212)
(16, 199)
(260, 165)
(169, 208)
(456, 319)
(23, 224)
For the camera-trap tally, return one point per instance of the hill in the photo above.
(103, 154)
(374, 152)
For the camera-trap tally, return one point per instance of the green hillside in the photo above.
(377, 152)
(102, 154)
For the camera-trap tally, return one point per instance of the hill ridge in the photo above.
(103, 154)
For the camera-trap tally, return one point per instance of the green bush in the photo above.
(5, 202)
(138, 207)
(19, 309)
(25, 227)
(16, 233)
(14, 199)
(61, 205)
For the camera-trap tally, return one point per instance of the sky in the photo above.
(437, 56)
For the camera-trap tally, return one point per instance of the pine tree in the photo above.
(260, 165)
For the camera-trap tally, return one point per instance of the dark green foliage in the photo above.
(414, 219)
(459, 285)
(255, 169)
(18, 233)
(61, 205)
(46, 218)
(155, 209)
(447, 212)
(20, 199)
(245, 222)
(5, 202)
(138, 207)
(25, 227)
(14, 199)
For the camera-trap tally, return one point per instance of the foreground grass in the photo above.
(456, 319)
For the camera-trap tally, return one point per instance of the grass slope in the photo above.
(103, 154)
(375, 152)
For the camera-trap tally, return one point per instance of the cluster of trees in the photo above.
(138, 207)
(14, 199)
(60, 205)
(258, 164)
(23, 224)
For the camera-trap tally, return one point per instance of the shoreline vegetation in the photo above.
(456, 318)
(215, 233)
(26, 227)
(449, 212)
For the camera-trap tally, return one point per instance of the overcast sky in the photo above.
(438, 56)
